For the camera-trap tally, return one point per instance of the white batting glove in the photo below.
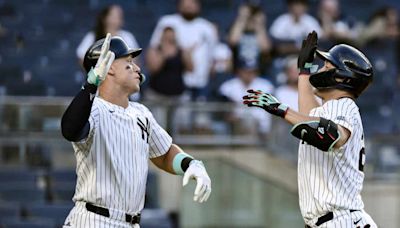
(198, 172)
(97, 74)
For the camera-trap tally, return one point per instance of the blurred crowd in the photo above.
(190, 58)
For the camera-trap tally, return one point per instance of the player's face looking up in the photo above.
(125, 73)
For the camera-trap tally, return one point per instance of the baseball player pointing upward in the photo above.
(113, 140)
(331, 152)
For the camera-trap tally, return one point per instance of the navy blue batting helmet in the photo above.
(353, 71)
(117, 45)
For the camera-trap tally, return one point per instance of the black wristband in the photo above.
(185, 163)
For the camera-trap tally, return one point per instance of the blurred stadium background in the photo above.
(254, 180)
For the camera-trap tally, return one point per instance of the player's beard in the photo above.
(190, 16)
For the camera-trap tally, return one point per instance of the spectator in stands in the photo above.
(222, 56)
(288, 91)
(383, 24)
(289, 29)
(221, 68)
(234, 89)
(3, 31)
(248, 36)
(381, 37)
(193, 32)
(166, 63)
(109, 20)
(334, 29)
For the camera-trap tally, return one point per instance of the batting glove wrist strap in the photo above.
(181, 163)
(92, 78)
(308, 69)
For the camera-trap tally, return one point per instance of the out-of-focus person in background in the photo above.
(222, 55)
(289, 29)
(192, 32)
(233, 90)
(288, 92)
(109, 20)
(221, 69)
(383, 24)
(334, 28)
(166, 64)
(248, 36)
(380, 37)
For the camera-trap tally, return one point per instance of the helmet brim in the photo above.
(132, 52)
(323, 54)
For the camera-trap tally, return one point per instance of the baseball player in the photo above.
(331, 151)
(113, 140)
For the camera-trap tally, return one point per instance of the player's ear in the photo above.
(111, 71)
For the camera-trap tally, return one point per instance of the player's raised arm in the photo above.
(317, 131)
(74, 123)
(307, 100)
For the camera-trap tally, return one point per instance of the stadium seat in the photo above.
(151, 191)
(19, 175)
(62, 184)
(56, 212)
(62, 192)
(22, 193)
(23, 223)
(60, 175)
(155, 218)
(9, 210)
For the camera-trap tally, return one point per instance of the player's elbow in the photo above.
(73, 133)
(67, 132)
(344, 137)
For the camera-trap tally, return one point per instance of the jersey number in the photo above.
(361, 162)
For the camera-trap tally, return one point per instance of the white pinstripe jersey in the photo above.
(112, 162)
(330, 181)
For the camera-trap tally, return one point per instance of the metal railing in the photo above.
(27, 121)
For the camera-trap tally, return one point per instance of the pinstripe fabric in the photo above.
(331, 181)
(112, 162)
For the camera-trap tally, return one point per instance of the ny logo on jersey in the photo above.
(145, 129)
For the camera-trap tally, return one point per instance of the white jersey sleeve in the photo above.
(342, 112)
(159, 140)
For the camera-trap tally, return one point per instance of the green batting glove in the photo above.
(266, 101)
(98, 74)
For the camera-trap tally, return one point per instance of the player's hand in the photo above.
(198, 172)
(265, 101)
(97, 74)
(307, 52)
